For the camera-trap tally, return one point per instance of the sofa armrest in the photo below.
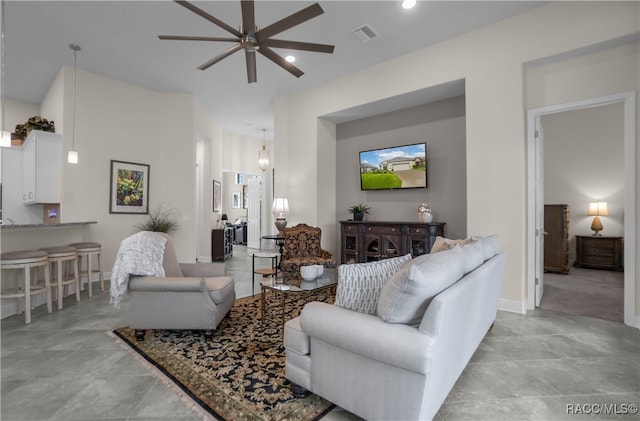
(368, 335)
(202, 270)
(171, 284)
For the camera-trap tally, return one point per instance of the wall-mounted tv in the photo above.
(395, 167)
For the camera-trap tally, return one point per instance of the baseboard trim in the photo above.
(512, 306)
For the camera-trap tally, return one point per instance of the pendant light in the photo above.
(72, 157)
(5, 136)
(263, 154)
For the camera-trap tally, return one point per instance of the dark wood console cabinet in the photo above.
(369, 241)
(221, 243)
(599, 252)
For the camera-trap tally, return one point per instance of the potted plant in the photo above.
(160, 220)
(358, 211)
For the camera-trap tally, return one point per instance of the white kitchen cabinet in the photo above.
(41, 167)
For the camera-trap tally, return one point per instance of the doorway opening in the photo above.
(536, 199)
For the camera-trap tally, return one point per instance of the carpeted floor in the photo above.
(585, 292)
(237, 375)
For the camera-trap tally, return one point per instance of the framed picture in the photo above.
(129, 188)
(217, 196)
(235, 200)
(245, 197)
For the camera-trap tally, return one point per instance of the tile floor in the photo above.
(64, 366)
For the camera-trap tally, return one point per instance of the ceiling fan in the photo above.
(252, 39)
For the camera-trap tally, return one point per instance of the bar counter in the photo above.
(44, 226)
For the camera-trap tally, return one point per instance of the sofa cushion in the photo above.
(170, 261)
(473, 256)
(294, 338)
(442, 244)
(489, 245)
(359, 284)
(406, 296)
(220, 288)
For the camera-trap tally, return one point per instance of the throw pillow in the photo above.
(473, 256)
(489, 245)
(359, 284)
(406, 296)
(442, 244)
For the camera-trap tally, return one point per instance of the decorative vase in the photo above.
(424, 213)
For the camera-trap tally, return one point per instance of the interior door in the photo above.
(254, 210)
(539, 205)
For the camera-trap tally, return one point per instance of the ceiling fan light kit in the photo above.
(251, 39)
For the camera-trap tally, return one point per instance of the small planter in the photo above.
(358, 216)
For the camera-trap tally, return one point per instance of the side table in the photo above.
(294, 288)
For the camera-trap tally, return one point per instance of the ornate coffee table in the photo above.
(294, 288)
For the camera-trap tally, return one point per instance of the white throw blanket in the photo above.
(139, 254)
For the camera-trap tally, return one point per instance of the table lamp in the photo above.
(596, 209)
(280, 206)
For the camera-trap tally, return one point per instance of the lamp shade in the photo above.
(5, 140)
(72, 157)
(280, 205)
(224, 217)
(598, 209)
(263, 158)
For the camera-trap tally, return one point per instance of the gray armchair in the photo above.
(194, 296)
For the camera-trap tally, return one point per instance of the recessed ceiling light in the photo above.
(408, 4)
(290, 58)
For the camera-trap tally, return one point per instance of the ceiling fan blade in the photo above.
(290, 21)
(280, 61)
(251, 66)
(219, 57)
(210, 18)
(190, 38)
(248, 16)
(297, 45)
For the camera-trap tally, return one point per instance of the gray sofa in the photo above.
(401, 362)
(194, 296)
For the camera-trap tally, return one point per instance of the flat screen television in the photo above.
(395, 167)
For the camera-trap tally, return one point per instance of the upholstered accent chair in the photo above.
(301, 248)
(193, 296)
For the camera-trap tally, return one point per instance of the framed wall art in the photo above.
(129, 191)
(235, 200)
(217, 196)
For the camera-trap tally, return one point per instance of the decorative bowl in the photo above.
(308, 272)
(319, 269)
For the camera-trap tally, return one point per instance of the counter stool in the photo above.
(89, 249)
(27, 260)
(62, 278)
(264, 272)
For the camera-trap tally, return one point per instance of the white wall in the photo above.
(442, 126)
(490, 60)
(117, 121)
(18, 112)
(584, 162)
(603, 72)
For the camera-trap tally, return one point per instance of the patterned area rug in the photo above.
(237, 375)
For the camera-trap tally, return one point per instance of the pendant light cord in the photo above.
(75, 49)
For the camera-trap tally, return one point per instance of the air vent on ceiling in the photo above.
(365, 33)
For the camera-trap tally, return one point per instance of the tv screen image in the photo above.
(396, 167)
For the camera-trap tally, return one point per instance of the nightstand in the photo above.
(599, 252)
